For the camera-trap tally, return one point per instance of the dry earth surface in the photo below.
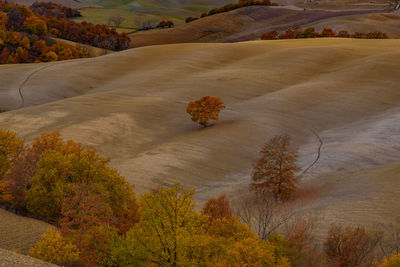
(11, 259)
(19, 233)
(130, 106)
(249, 23)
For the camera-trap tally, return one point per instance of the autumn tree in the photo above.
(10, 148)
(274, 172)
(393, 261)
(205, 109)
(349, 246)
(83, 209)
(55, 249)
(62, 165)
(218, 208)
(168, 220)
(87, 220)
(252, 252)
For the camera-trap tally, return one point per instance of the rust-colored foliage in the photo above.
(274, 172)
(83, 209)
(87, 219)
(218, 208)
(272, 35)
(297, 33)
(349, 246)
(328, 32)
(205, 109)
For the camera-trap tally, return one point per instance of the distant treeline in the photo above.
(297, 33)
(25, 32)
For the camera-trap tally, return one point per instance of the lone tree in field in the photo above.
(205, 109)
(117, 20)
(274, 172)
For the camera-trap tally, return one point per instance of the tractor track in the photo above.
(25, 82)
(321, 143)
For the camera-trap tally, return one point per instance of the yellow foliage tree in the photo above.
(251, 252)
(54, 248)
(168, 220)
(10, 147)
(393, 261)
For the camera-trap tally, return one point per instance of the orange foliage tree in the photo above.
(205, 109)
(274, 172)
(218, 208)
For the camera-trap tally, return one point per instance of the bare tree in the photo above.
(390, 243)
(146, 23)
(264, 214)
(116, 20)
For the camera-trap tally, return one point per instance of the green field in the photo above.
(135, 12)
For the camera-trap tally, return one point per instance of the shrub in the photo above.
(55, 249)
(272, 35)
(166, 24)
(310, 33)
(376, 35)
(328, 32)
(205, 109)
(359, 35)
(190, 19)
(343, 34)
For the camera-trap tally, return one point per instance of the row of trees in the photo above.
(25, 48)
(54, 10)
(297, 33)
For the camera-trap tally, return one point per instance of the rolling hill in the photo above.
(338, 97)
(249, 23)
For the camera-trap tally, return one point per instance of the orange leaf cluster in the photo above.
(205, 109)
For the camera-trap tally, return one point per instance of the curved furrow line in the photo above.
(26, 80)
(321, 143)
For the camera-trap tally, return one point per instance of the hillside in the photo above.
(136, 11)
(342, 90)
(249, 23)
